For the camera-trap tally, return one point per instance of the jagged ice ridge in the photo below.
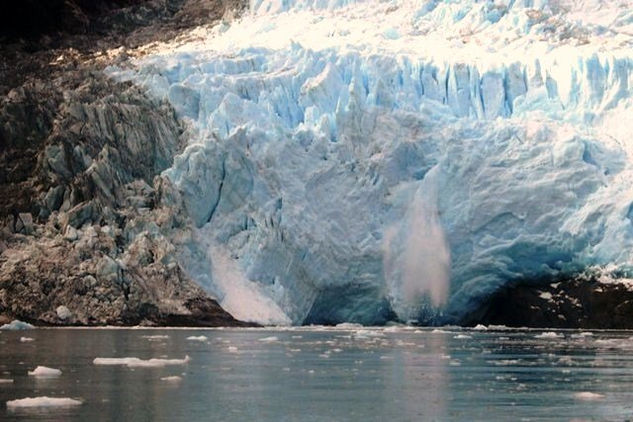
(360, 161)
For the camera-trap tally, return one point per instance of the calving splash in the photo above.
(369, 160)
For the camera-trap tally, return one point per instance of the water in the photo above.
(316, 374)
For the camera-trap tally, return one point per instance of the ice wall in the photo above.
(365, 160)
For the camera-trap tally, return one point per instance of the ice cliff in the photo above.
(361, 161)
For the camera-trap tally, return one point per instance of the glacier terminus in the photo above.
(365, 161)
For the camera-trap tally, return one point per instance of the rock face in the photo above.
(590, 302)
(86, 235)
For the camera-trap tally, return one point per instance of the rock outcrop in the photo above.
(86, 235)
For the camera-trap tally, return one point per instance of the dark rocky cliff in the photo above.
(84, 224)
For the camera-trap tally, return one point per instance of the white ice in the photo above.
(17, 325)
(133, 362)
(42, 401)
(44, 372)
(348, 159)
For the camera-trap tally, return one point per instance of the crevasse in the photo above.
(365, 161)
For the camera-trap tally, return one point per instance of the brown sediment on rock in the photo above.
(86, 221)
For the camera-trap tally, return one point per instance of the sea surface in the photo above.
(319, 374)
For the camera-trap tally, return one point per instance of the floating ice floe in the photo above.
(17, 325)
(270, 339)
(197, 338)
(588, 395)
(549, 334)
(132, 362)
(156, 337)
(26, 339)
(42, 401)
(173, 378)
(44, 371)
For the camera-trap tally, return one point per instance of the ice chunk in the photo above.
(270, 339)
(549, 335)
(44, 371)
(156, 337)
(173, 378)
(17, 325)
(197, 338)
(136, 362)
(42, 401)
(588, 395)
(26, 339)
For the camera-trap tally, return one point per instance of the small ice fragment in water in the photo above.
(480, 327)
(197, 338)
(43, 371)
(173, 378)
(232, 349)
(348, 325)
(17, 325)
(156, 337)
(462, 336)
(270, 339)
(42, 402)
(136, 362)
(438, 331)
(26, 339)
(588, 395)
(549, 334)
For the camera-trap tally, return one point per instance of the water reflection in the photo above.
(321, 375)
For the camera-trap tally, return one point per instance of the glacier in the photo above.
(363, 161)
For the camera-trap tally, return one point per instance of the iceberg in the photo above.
(341, 170)
(16, 325)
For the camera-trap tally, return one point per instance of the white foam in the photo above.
(44, 371)
(42, 401)
(132, 362)
(270, 339)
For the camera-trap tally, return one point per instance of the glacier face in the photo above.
(367, 160)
